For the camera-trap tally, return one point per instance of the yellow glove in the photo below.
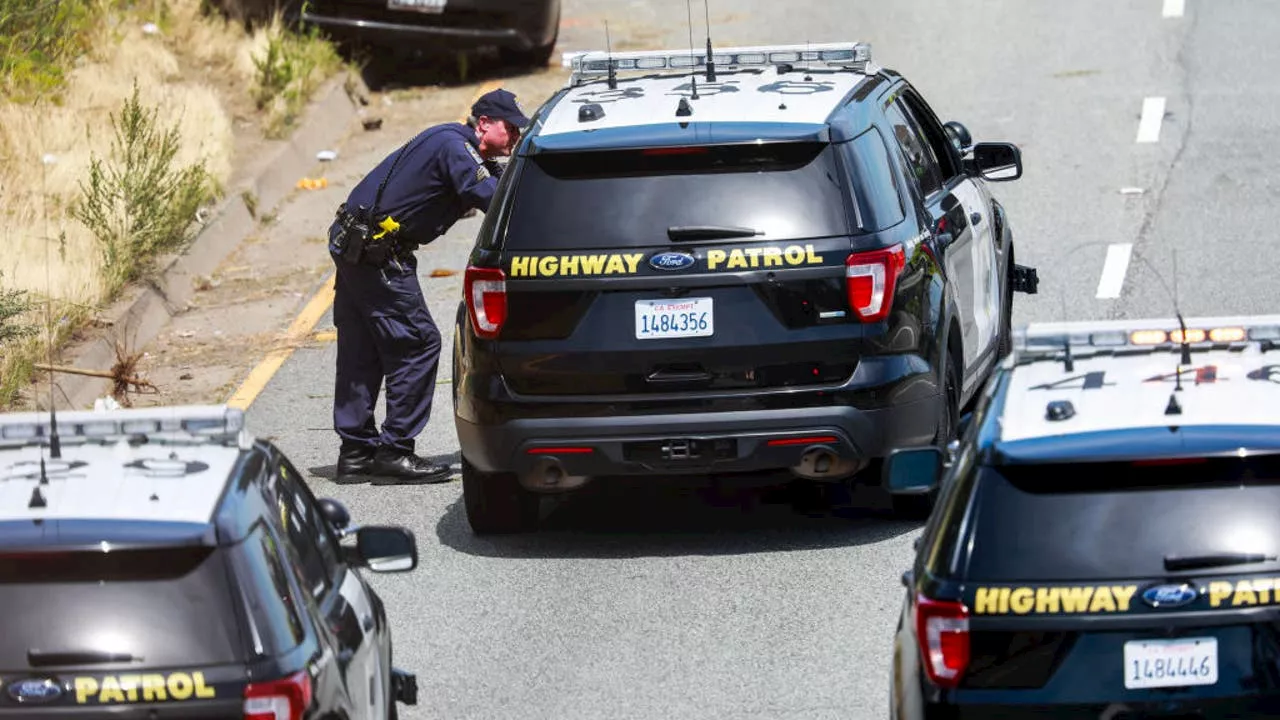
(388, 225)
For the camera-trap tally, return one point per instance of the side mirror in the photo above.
(998, 162)
(912, 471)
(959, 135)
(335, 512)
(386, 548)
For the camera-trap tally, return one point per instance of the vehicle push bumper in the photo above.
(820, 443)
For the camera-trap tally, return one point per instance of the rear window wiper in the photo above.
(46, 658)
(1209, 560)
(710, 232)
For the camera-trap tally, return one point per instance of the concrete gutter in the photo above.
(139, 317)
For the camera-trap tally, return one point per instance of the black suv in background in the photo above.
(524, 32)
(161, 563)
(788, 264)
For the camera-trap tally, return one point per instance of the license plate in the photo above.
(425, 6)
(687, 317)
(1170, 663)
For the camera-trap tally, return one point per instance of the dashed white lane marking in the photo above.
(1113, 270)
(1174, 8)
(1152, 116)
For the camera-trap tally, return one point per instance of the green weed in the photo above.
(137, 203)
(289, 70)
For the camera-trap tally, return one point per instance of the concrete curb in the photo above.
(138, 318)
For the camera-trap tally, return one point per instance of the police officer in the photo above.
(384, 328)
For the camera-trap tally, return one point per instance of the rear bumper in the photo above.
(1252, 706)
(380, 32)
(742, 441)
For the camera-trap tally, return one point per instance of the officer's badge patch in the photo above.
(475, 155)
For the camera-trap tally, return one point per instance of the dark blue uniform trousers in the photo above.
(384, 332)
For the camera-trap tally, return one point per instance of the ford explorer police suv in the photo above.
(1106, 540)
(769, 258)
(162, 563)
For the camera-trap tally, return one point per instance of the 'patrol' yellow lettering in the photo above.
(1051, 600)
(769, 256)
(1218, 591)
(85, 687)
(154, 687)
(110, 690)
(179, 685)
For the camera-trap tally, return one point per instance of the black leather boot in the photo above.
(397, 467)
(355, 465)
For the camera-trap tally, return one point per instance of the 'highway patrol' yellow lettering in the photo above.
(570, 265)
(150, 687)
(1053, 600)
(744, 258)
(1243, 593)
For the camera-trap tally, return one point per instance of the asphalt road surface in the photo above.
(1146, 129)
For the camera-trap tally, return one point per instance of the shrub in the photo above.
(137, 203)
(38, 42)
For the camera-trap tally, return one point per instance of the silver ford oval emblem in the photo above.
(35, 690)
(671, 261)
(1168, 596)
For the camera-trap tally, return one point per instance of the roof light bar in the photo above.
(1147, 332)
(593, 63)
(193, 420)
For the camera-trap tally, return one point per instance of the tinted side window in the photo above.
(308, 535)
(274, 614)
(628, 198)
(1118, 520)
(870, 174)
(919, 156)
(169, 606)
(932, 132)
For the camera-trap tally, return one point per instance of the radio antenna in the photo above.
(608, 49)
(55, 445)
(711, 63)
(693, 63)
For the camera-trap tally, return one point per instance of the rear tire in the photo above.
(919, 507)
(495, 502)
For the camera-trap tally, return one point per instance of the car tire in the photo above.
(495, 502)
(919, 507)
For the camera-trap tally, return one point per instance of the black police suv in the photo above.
(787, 264)
(159, 563)
(1105, 544)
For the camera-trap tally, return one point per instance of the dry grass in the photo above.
(36, 195)
(202, 73)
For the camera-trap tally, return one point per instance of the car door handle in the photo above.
(976, 218)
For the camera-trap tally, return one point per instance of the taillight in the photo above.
(870, 278)
(284, 699)
(486, 292)
(942, 629)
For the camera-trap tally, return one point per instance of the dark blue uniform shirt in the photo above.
(440, 176)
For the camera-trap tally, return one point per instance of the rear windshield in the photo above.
(1097, 521)
(166, 606)
(610, 199)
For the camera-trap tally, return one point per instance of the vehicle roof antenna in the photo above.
(1068, 362)
(693, 66)
(711, 63)
(55, 445)
(608, 49)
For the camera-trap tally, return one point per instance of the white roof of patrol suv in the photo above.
(1124, 373)
(749, 86)
(176, 475)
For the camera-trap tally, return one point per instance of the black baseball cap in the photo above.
(500, 104)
